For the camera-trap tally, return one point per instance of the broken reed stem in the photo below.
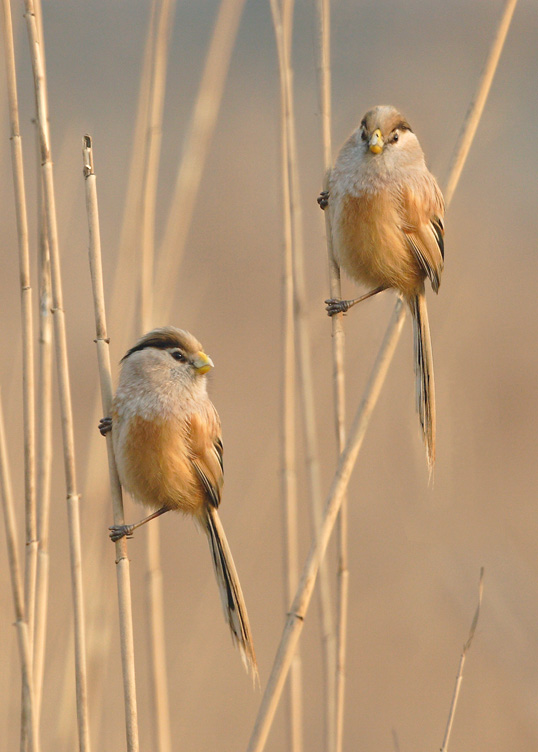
(477, 104)
(195, 151)
(73, 511)
(291, 633)
(162, 21)
(459, 677)
(28, 395)
(23, 636)
(288, 424)
(103, 357)
(299, 607)
(305, 371)
(338, 344)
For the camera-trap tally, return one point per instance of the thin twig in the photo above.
(18, 596)
(195, 151)
(299, 608)
(305, 375)
(338, 344)
(103, 357)
(288, 423)
(73, 498)
(463, 656)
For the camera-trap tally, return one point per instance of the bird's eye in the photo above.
(363, 135)
(178, 355)
(395, 137)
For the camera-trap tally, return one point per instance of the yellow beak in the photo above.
(202, 363)
(376, 142)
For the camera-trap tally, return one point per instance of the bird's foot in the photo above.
(105, 426)
(121, 531)
(323, 199)
(334, 306)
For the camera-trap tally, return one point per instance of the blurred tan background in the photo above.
(415, 551)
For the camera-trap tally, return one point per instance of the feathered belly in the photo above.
(154, 465)
(370, 246)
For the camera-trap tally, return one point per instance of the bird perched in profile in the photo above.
(167, 445)
(386, 213)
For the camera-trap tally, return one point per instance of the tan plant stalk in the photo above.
(299, 607)
(23, 636)
(288, 426)
(477, 105)
(73, 513)
(195, 151)
(103, 357)
(338, 343)
(305, 373)
(459, 677)
(291, 632)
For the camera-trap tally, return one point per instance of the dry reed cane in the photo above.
(288, 424)
(459, 676)
(291, 632)
(23, 635)
(103, 357)
(305, 375)
(73, 512)
(195, 151)
(338, 343)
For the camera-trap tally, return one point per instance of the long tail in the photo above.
(231, 595)
(425, 385)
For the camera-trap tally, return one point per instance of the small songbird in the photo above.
(387, 231)
(167, 444)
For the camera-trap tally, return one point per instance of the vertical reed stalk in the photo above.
(103, 357)
(23, 636)
(288, 427)
(195, 151)
(63, 379)
(305, 372)
(299, 608)
(459, 677)
(294, 623)
(154, 580)
(338, 343)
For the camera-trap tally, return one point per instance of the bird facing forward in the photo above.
(387, 231)
(167, 445)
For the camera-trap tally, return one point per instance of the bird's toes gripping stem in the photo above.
(323, 199)
(105, 426)
(120, 531)
(334, 306)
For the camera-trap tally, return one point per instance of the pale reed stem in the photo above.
(103, 357)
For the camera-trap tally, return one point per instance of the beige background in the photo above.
(415, 551)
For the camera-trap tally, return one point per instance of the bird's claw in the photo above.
(120, 531)
(334, 306)
(323, 199)
(105, 426)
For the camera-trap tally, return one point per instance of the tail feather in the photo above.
(231, 595)
(425, 385)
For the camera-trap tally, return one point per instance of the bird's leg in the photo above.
(105, 426)
(119, 531)
(323, 199)
(334, 306)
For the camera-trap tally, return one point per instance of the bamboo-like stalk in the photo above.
(477, 105)
(291, 632)
(103, 357)
(459, 676)
(298, 610)
(195, 151)
(23, 635)
(305, 374)
(73, 512)
(338, 344)
(164, 12)
(288, 424)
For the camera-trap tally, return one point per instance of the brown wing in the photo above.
(206, 453)
(423, 209)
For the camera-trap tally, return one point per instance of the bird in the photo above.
(386, 213)
(166, 437)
